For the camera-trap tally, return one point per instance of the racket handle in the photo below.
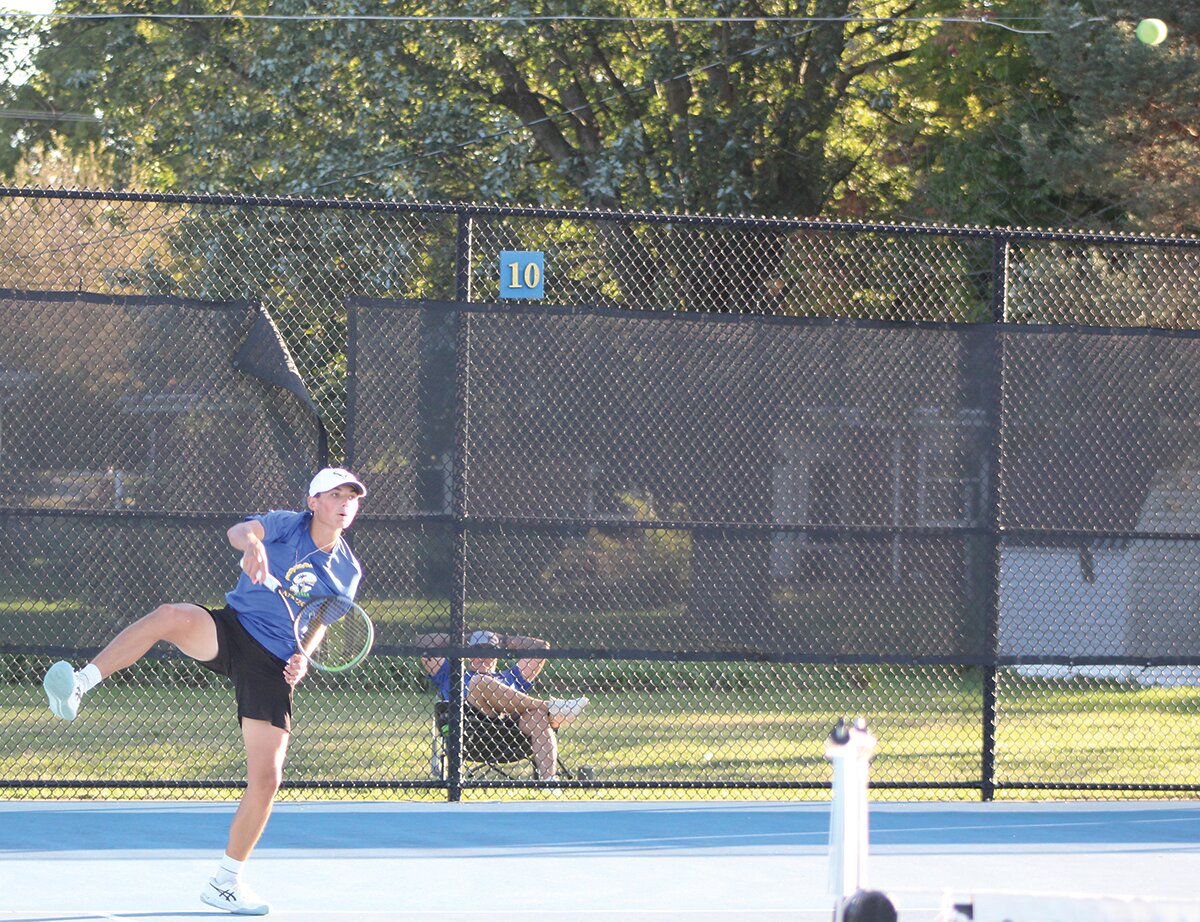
(268, 580)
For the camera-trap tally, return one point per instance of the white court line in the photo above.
(823, 834)
(80, 915)
(799, 833)
(1017, 827)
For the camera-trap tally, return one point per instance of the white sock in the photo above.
(229, 870)
(89, 677)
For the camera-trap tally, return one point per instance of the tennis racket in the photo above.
(332, 632)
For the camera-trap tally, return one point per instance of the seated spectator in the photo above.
(498, 704)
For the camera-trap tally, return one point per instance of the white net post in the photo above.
(850, 750)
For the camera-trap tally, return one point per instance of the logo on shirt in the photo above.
(301, 579)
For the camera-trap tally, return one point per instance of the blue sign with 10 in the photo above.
(522, 274)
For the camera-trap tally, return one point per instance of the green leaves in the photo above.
(1078, 125)
(1046, 115)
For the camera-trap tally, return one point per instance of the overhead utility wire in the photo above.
(998, 22)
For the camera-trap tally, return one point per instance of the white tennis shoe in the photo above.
(564, 711)
(234, 896)
(63, 690)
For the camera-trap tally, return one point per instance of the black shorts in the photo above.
(493, 739)
(257, 674)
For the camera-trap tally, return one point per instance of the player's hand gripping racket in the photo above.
(332, 632)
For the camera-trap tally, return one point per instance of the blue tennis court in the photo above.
(563, 860)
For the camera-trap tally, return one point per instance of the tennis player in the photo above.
(251, 641)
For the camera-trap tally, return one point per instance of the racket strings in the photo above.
(346, 633)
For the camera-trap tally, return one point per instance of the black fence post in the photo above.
(351, 383)
(458, 593)
(991, 461)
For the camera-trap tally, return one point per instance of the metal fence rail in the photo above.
(745, 475)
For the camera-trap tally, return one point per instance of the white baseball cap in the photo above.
(331, 478)
(483, 639)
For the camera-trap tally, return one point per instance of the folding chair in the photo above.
(490, 747)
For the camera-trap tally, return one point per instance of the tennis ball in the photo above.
(1151, 31)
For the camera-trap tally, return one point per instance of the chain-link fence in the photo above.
(745, 476)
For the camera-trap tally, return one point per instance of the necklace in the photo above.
(297, 559)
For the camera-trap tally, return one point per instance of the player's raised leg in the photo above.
(188, 627)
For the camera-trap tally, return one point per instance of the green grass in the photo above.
(34, 615)
(646, 722)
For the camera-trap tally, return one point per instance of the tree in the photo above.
(1075, 124)
(754, 116)
(1125, 153)
(1051, 113)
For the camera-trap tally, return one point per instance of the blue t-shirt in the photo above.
(511, 677)
(305, 571)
